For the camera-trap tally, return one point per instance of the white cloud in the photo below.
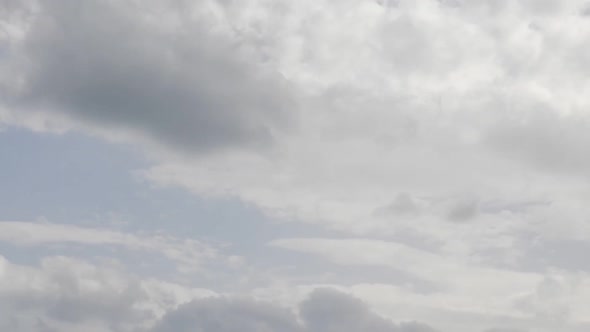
(459, 282)
(464, 289)
(445, 102)
(189, 255)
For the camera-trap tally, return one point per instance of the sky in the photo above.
(294, 166)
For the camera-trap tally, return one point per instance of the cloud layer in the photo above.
(65, 294)
(440, 142)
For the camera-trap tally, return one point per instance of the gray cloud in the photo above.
(161, 70)
(327, 310)
(227, 315)
(403, 205)
(324, 311)
(463, 210)
(544, 139)
(66, 292)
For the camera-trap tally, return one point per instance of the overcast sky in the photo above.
(294, 166)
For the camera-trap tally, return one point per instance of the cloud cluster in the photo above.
(65, 294)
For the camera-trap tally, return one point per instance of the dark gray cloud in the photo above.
(324, 311)
(328, 310)
(162, 70)
(228, 315)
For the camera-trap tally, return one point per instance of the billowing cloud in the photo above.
(228, 315)
(65, 294)
(331, 311)
(324, 311)
(165, 71)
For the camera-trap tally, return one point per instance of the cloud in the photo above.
(457, 283)
(331, 311)
(325, 310)
(464, 210)
(409, 115)
(65, 294)
(545, 140)
(189, 255)
(228, 315)
(418, 114)
(157, 69)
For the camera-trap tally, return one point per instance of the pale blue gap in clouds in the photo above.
(79, 180)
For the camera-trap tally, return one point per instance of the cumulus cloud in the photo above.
(331, 311)
(157, 69)
(65, 294)
(228, 315)
(325, 310)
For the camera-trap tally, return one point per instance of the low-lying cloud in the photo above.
(325, 310)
